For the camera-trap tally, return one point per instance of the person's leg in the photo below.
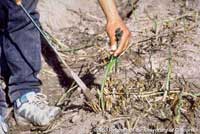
(4, 74)
(22, 49)
(3, 67)
(22, 52)
(4, 70)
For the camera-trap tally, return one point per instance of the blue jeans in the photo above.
(20, 50)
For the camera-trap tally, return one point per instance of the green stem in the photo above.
(112, 63)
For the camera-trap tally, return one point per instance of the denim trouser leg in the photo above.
(3, 103)
(22, 49)
(3, 72)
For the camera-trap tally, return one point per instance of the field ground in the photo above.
(164, 56)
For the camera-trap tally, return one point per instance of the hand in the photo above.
(111, 28)
(18, 2)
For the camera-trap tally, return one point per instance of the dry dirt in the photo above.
(156, 26)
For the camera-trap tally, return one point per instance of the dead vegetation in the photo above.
(146, 93)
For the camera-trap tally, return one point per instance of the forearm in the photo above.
(109, 9)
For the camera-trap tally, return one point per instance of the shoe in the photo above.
(3, 126)
(33, 108)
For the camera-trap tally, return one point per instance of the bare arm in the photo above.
(109, 9)
(114, 21)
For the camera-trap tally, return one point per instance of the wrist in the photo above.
(114, 19)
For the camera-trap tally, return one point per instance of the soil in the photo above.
(157, 27)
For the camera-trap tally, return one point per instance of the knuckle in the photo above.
(127, 33)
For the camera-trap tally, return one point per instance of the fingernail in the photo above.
(113, 47)
(115, 55)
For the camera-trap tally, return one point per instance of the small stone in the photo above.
(76, 118)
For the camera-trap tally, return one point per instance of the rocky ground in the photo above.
(165, 36)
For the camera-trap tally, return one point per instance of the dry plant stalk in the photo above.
(169, 72)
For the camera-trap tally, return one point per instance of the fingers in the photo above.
(123, 44)
(113, 46)
(118, 49)
(18, 2)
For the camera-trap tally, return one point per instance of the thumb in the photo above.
(123, 44)
(18, 2)
(113, 44)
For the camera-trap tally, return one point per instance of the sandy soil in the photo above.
(81, 23)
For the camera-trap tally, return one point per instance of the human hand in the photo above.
(18, 2)
(111, 28)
